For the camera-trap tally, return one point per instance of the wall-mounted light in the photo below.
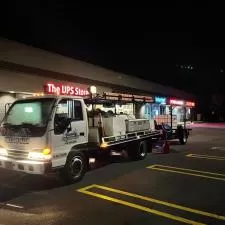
(93, 89)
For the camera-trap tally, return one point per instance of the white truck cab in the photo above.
(41, 134)
(36, 133)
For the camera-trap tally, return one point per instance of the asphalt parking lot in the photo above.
(186, 186)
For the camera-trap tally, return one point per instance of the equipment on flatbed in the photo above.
(118, 127)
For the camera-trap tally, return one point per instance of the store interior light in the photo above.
(12, 92)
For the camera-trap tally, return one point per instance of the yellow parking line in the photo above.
(172, 205)
(197, 173)
(160, 202)
(185, 169)
(142, 208)
(205, 157)
(154, 167)
(191, 174)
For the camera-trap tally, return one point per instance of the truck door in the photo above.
(75, 133)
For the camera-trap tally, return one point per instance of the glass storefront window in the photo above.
(188, 114)
(155, 110)
(162, 109)
(125, 109)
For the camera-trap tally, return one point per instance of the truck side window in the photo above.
(77, 111)
(64, 109)
(63, 113)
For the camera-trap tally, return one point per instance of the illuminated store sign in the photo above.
(181, 103)
(176, 102)
(160, 100)
(128, 97)
(63, 89)
(190, 104)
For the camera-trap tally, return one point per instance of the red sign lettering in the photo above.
(190, 104)
(176, 102)
(63, 89)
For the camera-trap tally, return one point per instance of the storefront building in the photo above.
(157, 108)
(25, 70)
(18, 85)
(167, 110)
(182, 109)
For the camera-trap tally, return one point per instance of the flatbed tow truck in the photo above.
(49, 133)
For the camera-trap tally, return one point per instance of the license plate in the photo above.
(9, 165)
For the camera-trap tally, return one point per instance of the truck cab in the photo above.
(37, 133)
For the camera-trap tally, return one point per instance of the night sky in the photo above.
(155, 44)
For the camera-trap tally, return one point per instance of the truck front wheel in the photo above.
(75, 168)
(138, 151)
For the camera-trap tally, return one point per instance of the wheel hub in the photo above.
(76, 166)
(142, 152)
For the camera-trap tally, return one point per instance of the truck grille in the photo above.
(17, 155)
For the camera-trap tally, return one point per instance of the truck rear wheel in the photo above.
(183, 138)
(138, 151)
(75, 168)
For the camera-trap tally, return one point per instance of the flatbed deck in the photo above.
(114, 140)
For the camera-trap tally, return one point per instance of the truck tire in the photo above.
(183, 138)
(138, 151)
(149, 146)
(75, 168)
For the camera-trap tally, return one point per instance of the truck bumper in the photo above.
(26, 166)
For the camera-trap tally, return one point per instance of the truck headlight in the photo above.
(3, 151)
(45, 154)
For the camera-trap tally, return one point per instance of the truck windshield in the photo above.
(32, 114)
